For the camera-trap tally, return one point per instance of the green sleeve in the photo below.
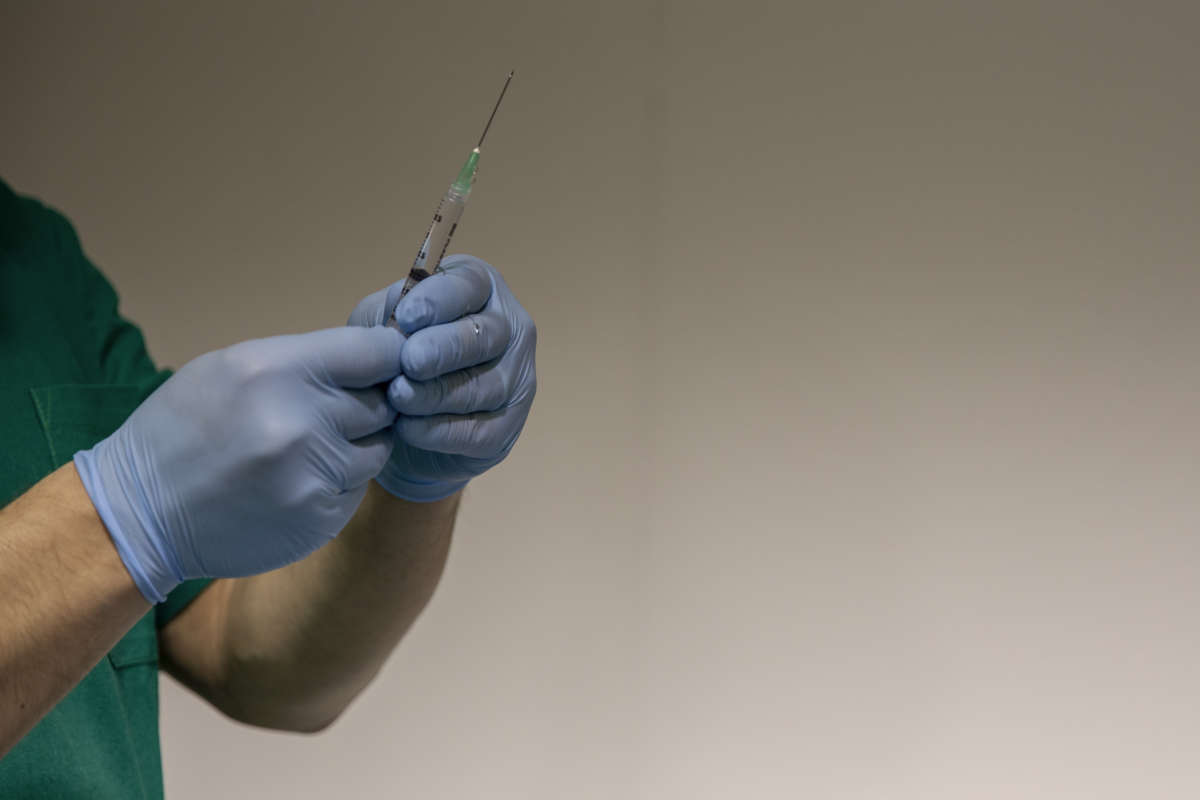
(114, 352)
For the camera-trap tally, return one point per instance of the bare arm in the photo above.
(291, 648)
(65, 599)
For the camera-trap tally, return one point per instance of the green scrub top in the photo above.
(71, 371)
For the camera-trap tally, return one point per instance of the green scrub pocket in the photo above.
(75, 417)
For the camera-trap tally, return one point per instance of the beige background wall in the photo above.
(864, 462)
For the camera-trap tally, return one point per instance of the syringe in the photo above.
(445, 219)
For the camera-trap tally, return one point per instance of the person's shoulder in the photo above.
(27, 223)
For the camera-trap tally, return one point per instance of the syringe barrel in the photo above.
(441, 230)
(433, 248)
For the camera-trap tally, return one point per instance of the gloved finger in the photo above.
(371, 310)
(482, 435)
(463, 286)
(441, 349)
(481, 388)
(367, 457)
(359, 412)
(357, 357)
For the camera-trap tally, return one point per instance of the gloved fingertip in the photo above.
(400, 394)
(418, 359)
(414, 312)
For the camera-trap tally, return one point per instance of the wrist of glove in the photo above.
(104, 471)
(467, 377)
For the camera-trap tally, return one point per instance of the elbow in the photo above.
(309, 725)
(286, 718)
(277, 697)
(289, 714)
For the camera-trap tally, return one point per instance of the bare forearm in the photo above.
(297, 644)
(65, 599)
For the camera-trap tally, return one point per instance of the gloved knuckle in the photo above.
(278, 437)
(474, 433)
(436, 353)
(300, 499)
(499, 394)
(470, 394)
(467, 340)
(247, 365)
(503, 389)
(442, 391)
(490, 439)
(526, 389)
(527, 329)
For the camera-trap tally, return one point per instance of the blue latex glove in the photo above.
(468, 376)
(248, 458)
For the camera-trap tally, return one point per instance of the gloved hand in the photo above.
(468, 376)
(248, 458)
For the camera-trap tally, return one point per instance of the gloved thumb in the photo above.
(354, 357)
